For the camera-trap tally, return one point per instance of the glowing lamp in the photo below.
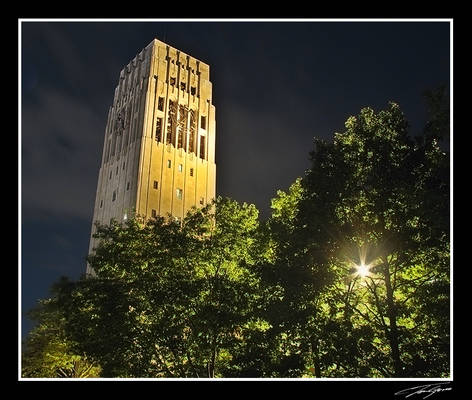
(362, 270)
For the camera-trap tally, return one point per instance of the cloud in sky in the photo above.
(65, 102)
(59, 155)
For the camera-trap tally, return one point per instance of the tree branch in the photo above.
(416, 289)
(377, 303)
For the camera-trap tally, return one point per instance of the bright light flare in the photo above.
(363, 270)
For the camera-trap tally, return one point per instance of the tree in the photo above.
(438, 124)
(171, 299)
(293, 288)
(47, 351)
(374, 217)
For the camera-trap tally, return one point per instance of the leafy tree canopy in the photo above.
(349, 277)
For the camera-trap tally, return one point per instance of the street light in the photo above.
(363, 270)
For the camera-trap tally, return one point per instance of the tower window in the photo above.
(169, 163)
(202, 147)
(181, 167)
(156, 185)
(182, 85)
(193, 129)
(159, 129)
(191, 171)
(101, 203)
(127, 186)
(116, 170)
(123, 166)
(202, 200)
(160, 104)
(172, 122)
(153, 213)
(110, 174)
(182, 130)
(193, 90)
(179, 193)
(172, 81)
(113, 196)
(203, 122)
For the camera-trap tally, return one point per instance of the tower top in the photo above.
(156, 43)
(163, 51)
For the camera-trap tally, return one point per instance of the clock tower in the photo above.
(159, 147)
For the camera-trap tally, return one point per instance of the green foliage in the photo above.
(222, 295)
(48, 352)
(181, 295)
(368, 199)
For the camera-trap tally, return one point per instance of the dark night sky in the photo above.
(276, 85)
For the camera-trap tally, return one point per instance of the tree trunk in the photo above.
(211, 362)
(393, 331)
(211, 369)
(316, 357)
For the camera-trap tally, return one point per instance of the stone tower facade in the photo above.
(159, 148)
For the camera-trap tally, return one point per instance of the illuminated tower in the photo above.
(159, 148)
